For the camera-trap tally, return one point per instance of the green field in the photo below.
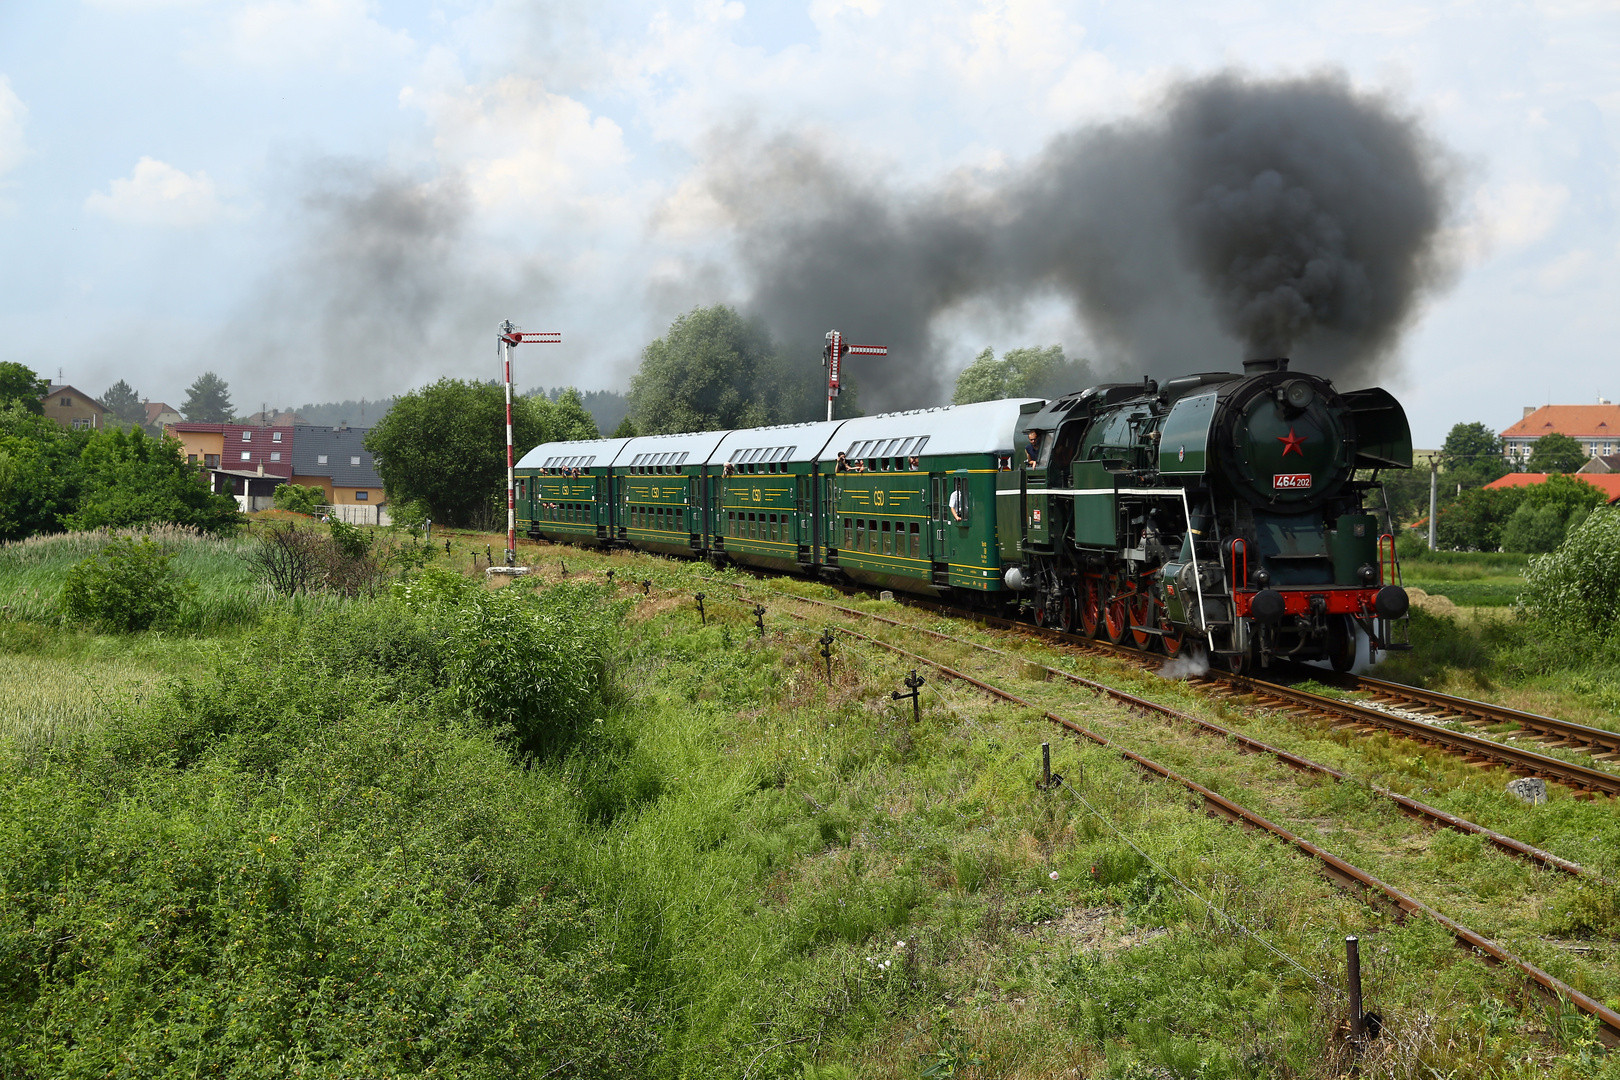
(566, 829)
(1468, 579)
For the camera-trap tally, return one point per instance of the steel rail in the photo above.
(1475, 748)
(1411, 807)
(1602, 744)
(1335, 868)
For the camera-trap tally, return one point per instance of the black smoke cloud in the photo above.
(383, 282)
(1241, 217)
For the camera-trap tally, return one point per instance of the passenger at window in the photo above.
(956, 504)
(1033, 448)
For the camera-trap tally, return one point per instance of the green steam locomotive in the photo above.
(1220, 511)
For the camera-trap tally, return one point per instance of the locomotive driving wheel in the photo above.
(1116, 611)
(1139, 609)
(1341, 645)
(1090, 606)
(1068, 609)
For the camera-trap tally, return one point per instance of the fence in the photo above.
(355, 514)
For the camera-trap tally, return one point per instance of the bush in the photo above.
(126, 587)
(300, 499)
(1576, 589)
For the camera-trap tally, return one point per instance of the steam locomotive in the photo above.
(1226, 510)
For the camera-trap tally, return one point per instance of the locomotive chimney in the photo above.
(1260, 367)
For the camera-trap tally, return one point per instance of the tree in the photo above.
(1474, 520)
(1577, 587)
(44, 469)
(19, 384)
(625, 430)
(1472, 457)
(129, 479)
(1556, 453)
(124, 404)
(445, 444)
(713, 369)
(299, 498)
(208, 400)
(570, 419)
(1028, 372)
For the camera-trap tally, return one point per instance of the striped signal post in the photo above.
(832, 355)
(510, 336)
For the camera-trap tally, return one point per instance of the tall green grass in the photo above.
(33, 572)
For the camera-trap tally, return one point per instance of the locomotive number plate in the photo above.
(1291, 481)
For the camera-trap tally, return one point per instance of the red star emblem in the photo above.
(1291, 443)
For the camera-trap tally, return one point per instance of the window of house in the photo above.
(210, 461)
(320, 459)
(354, 459)
(275, 436)
(362, 496)
(275, 455)
(247, 455)
(247, 436)
(191, 459)
(67, 401)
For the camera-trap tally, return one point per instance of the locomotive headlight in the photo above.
(1299, 394)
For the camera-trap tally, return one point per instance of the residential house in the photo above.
(159, 416)
(1595, 427)
(275, 419)
(242, 460)
(1601, 464)
(73, 408)
(336, 460)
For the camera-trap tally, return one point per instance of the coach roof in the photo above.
(781, 442)
(984, 427)
(585, 454)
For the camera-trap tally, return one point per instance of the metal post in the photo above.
(1434, 490)
(1352, 957)
(759, 619)
(564, 566)
(701, 614)
(826, 652)
(507, 329)
(646, 586)
(914, 684)
(1046, 764)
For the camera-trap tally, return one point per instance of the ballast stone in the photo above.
(1532, 789)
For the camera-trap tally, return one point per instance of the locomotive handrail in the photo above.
(1392, 577)
(1233, 546)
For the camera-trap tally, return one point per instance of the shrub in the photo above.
(126, 587)
(300, 499)
(1576, 589)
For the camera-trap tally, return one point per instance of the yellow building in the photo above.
(73, 408)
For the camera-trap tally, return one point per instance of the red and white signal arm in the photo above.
(1291, 482)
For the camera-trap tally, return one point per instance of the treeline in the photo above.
(52, 479)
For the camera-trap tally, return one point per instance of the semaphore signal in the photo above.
(832, 355)
(508, 337)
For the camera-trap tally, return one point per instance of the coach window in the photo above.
(888, 540)
(959, 507)
(849, 533)
(680, 519)
(916, 541)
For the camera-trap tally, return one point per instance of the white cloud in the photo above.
(1511, 216)
(12, 115)
(158, 194)
(522, 147)
(341, 34)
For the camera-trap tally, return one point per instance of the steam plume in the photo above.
(1241, 217)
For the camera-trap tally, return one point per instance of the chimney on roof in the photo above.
(261, 468)
(1528, 409)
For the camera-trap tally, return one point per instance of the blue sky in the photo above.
(330, 198)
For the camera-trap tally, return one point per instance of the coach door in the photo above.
(939, 513)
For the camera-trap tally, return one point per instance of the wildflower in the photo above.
(899, 944)
(1054, 875)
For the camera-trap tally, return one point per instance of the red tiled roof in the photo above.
(1609, 483)
(1577, 421)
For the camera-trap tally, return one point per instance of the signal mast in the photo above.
(834, 352)
(508, 337)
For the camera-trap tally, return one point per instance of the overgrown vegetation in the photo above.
(127, 586)
(562, 829)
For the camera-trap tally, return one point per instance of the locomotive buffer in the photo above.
(832, 355)
(508, 337)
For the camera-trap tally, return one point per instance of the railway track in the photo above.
(1419, 715)
(1411, 807)
(1334, 868)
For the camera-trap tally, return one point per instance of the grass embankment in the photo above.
(369, 842)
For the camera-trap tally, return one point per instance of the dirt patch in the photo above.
(1098, 929)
